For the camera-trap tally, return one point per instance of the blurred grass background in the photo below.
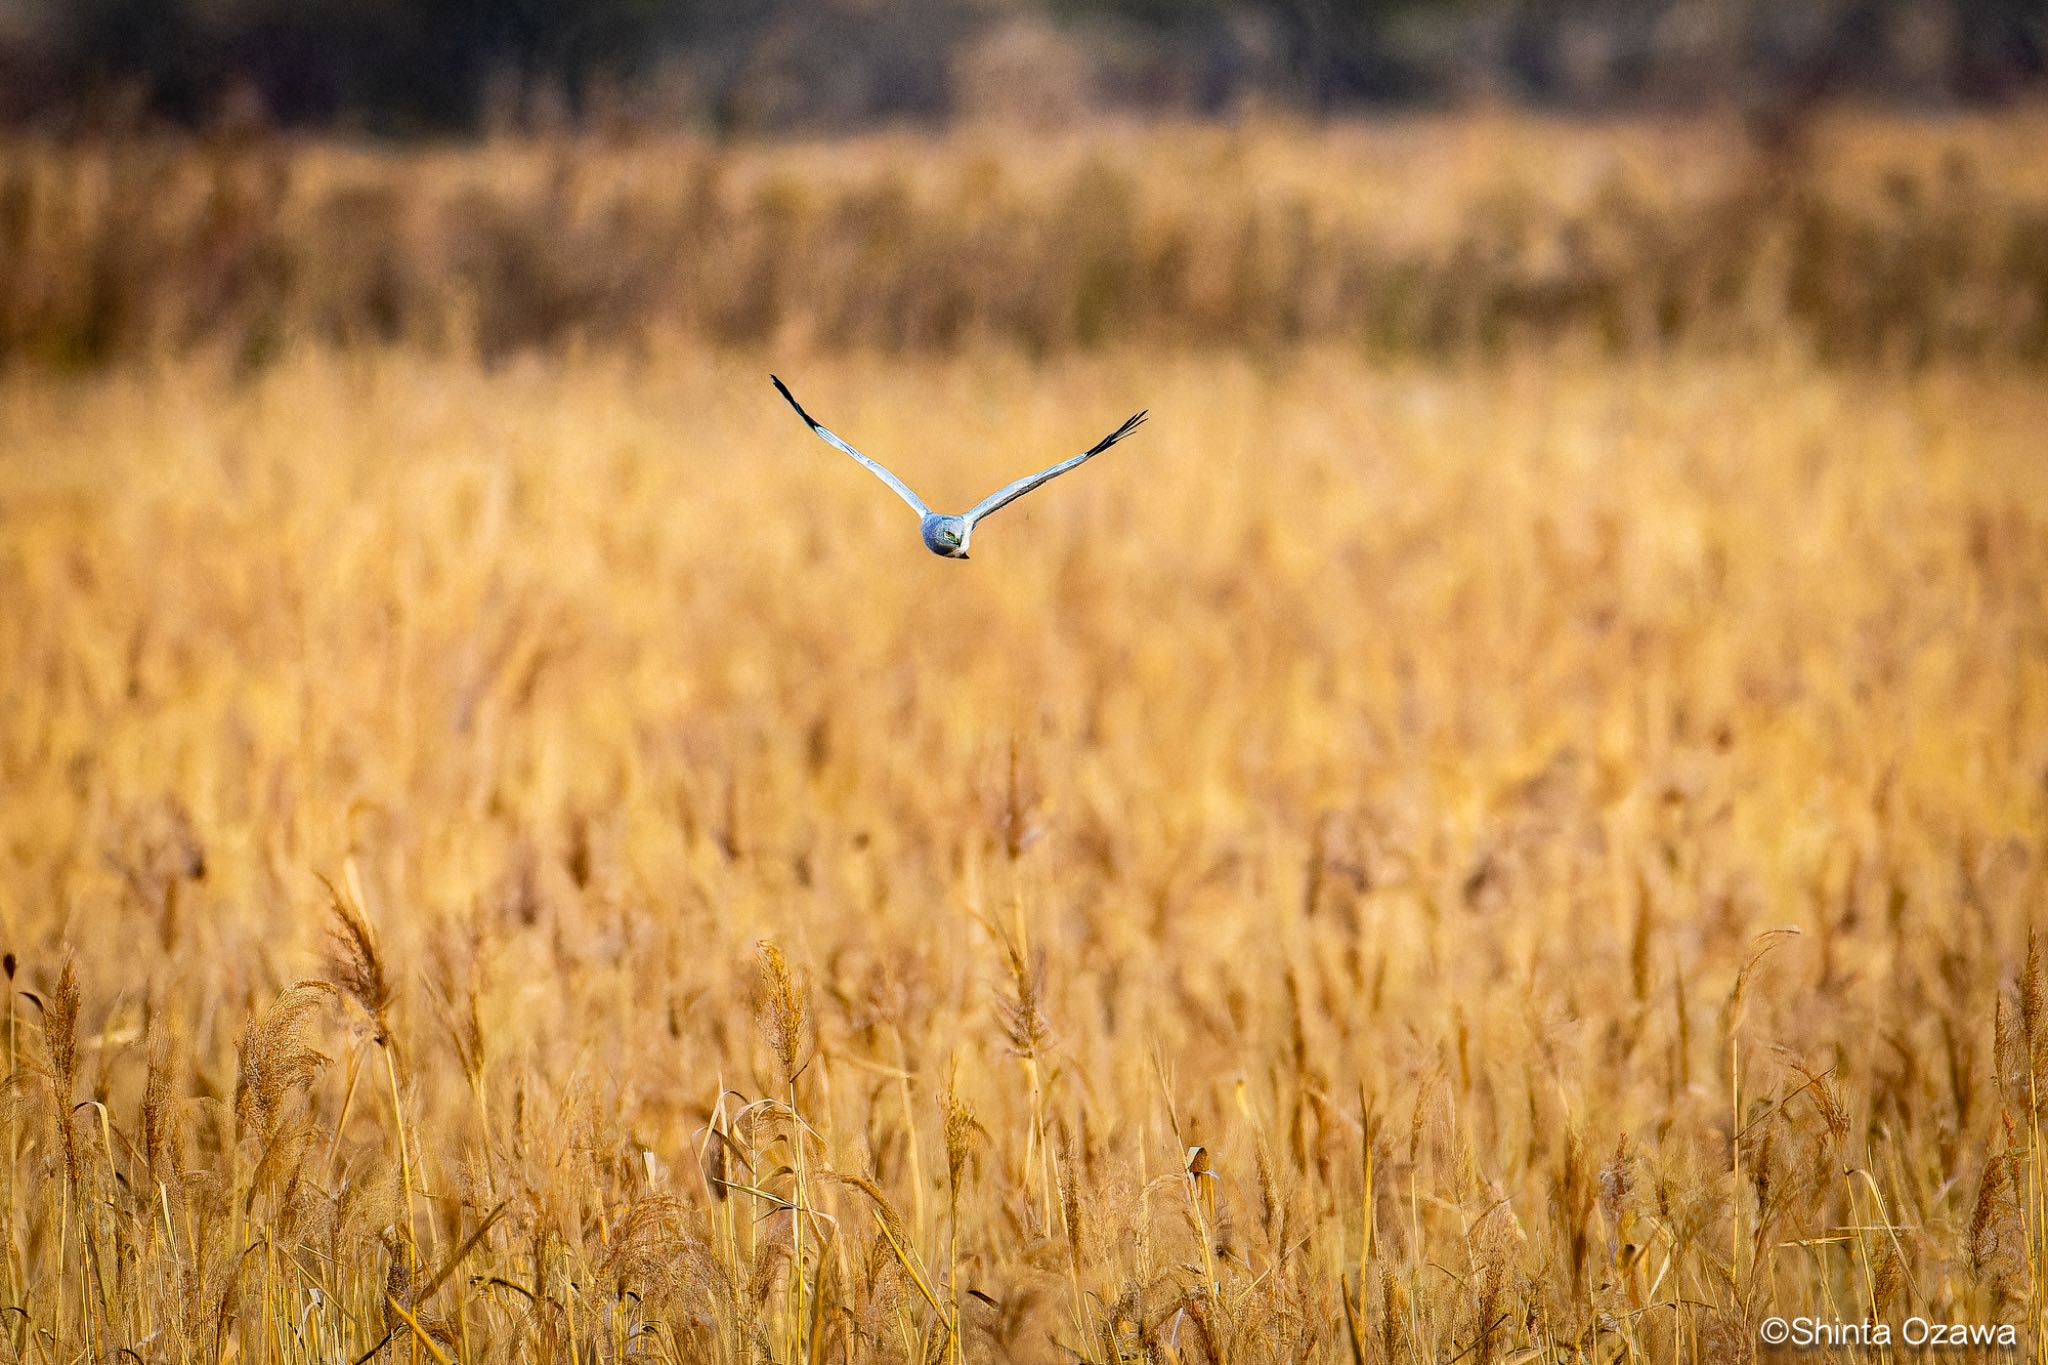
(1871, 239)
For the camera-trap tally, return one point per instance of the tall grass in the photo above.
(537, 863)
(1861, 239)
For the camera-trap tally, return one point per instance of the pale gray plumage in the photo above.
(948, 535)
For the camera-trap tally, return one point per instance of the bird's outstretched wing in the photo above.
(902, 489)
(1004, 496)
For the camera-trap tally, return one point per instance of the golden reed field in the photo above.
(1527, 846)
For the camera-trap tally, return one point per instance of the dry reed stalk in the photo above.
(784, 1017)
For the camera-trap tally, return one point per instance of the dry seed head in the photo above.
(1024, 1022)
(2034, 1012)
(354, 961)
(1988, 1217)
(2004, 1043)
(60, 1033)
(273, 1058)
(1070, 1199)
(1890, 1276)
(1394, 1308)
(160, 1134)
(711, 1158)
(1762, 1170)
(1738, 994)
(1827, 1103)
(784, 1010)
(60, 1039)
(1617, 1180)
(1272, 1212)
(964, 1134)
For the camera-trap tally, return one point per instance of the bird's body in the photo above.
(944, 535)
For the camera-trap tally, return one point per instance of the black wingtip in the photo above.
(783, 389)
(1130, 425)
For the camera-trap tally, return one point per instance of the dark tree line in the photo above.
(394, 64)
(399, 66)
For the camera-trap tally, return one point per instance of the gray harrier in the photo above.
(945, 535)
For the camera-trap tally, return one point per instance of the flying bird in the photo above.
(944, 535)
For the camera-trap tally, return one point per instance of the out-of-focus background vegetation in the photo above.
(766, 65)
(1878, 238)
(223, 175)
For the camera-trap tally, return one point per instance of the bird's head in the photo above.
(946, 536)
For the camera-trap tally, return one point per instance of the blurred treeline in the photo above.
(1865, 240)
(402, 66)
